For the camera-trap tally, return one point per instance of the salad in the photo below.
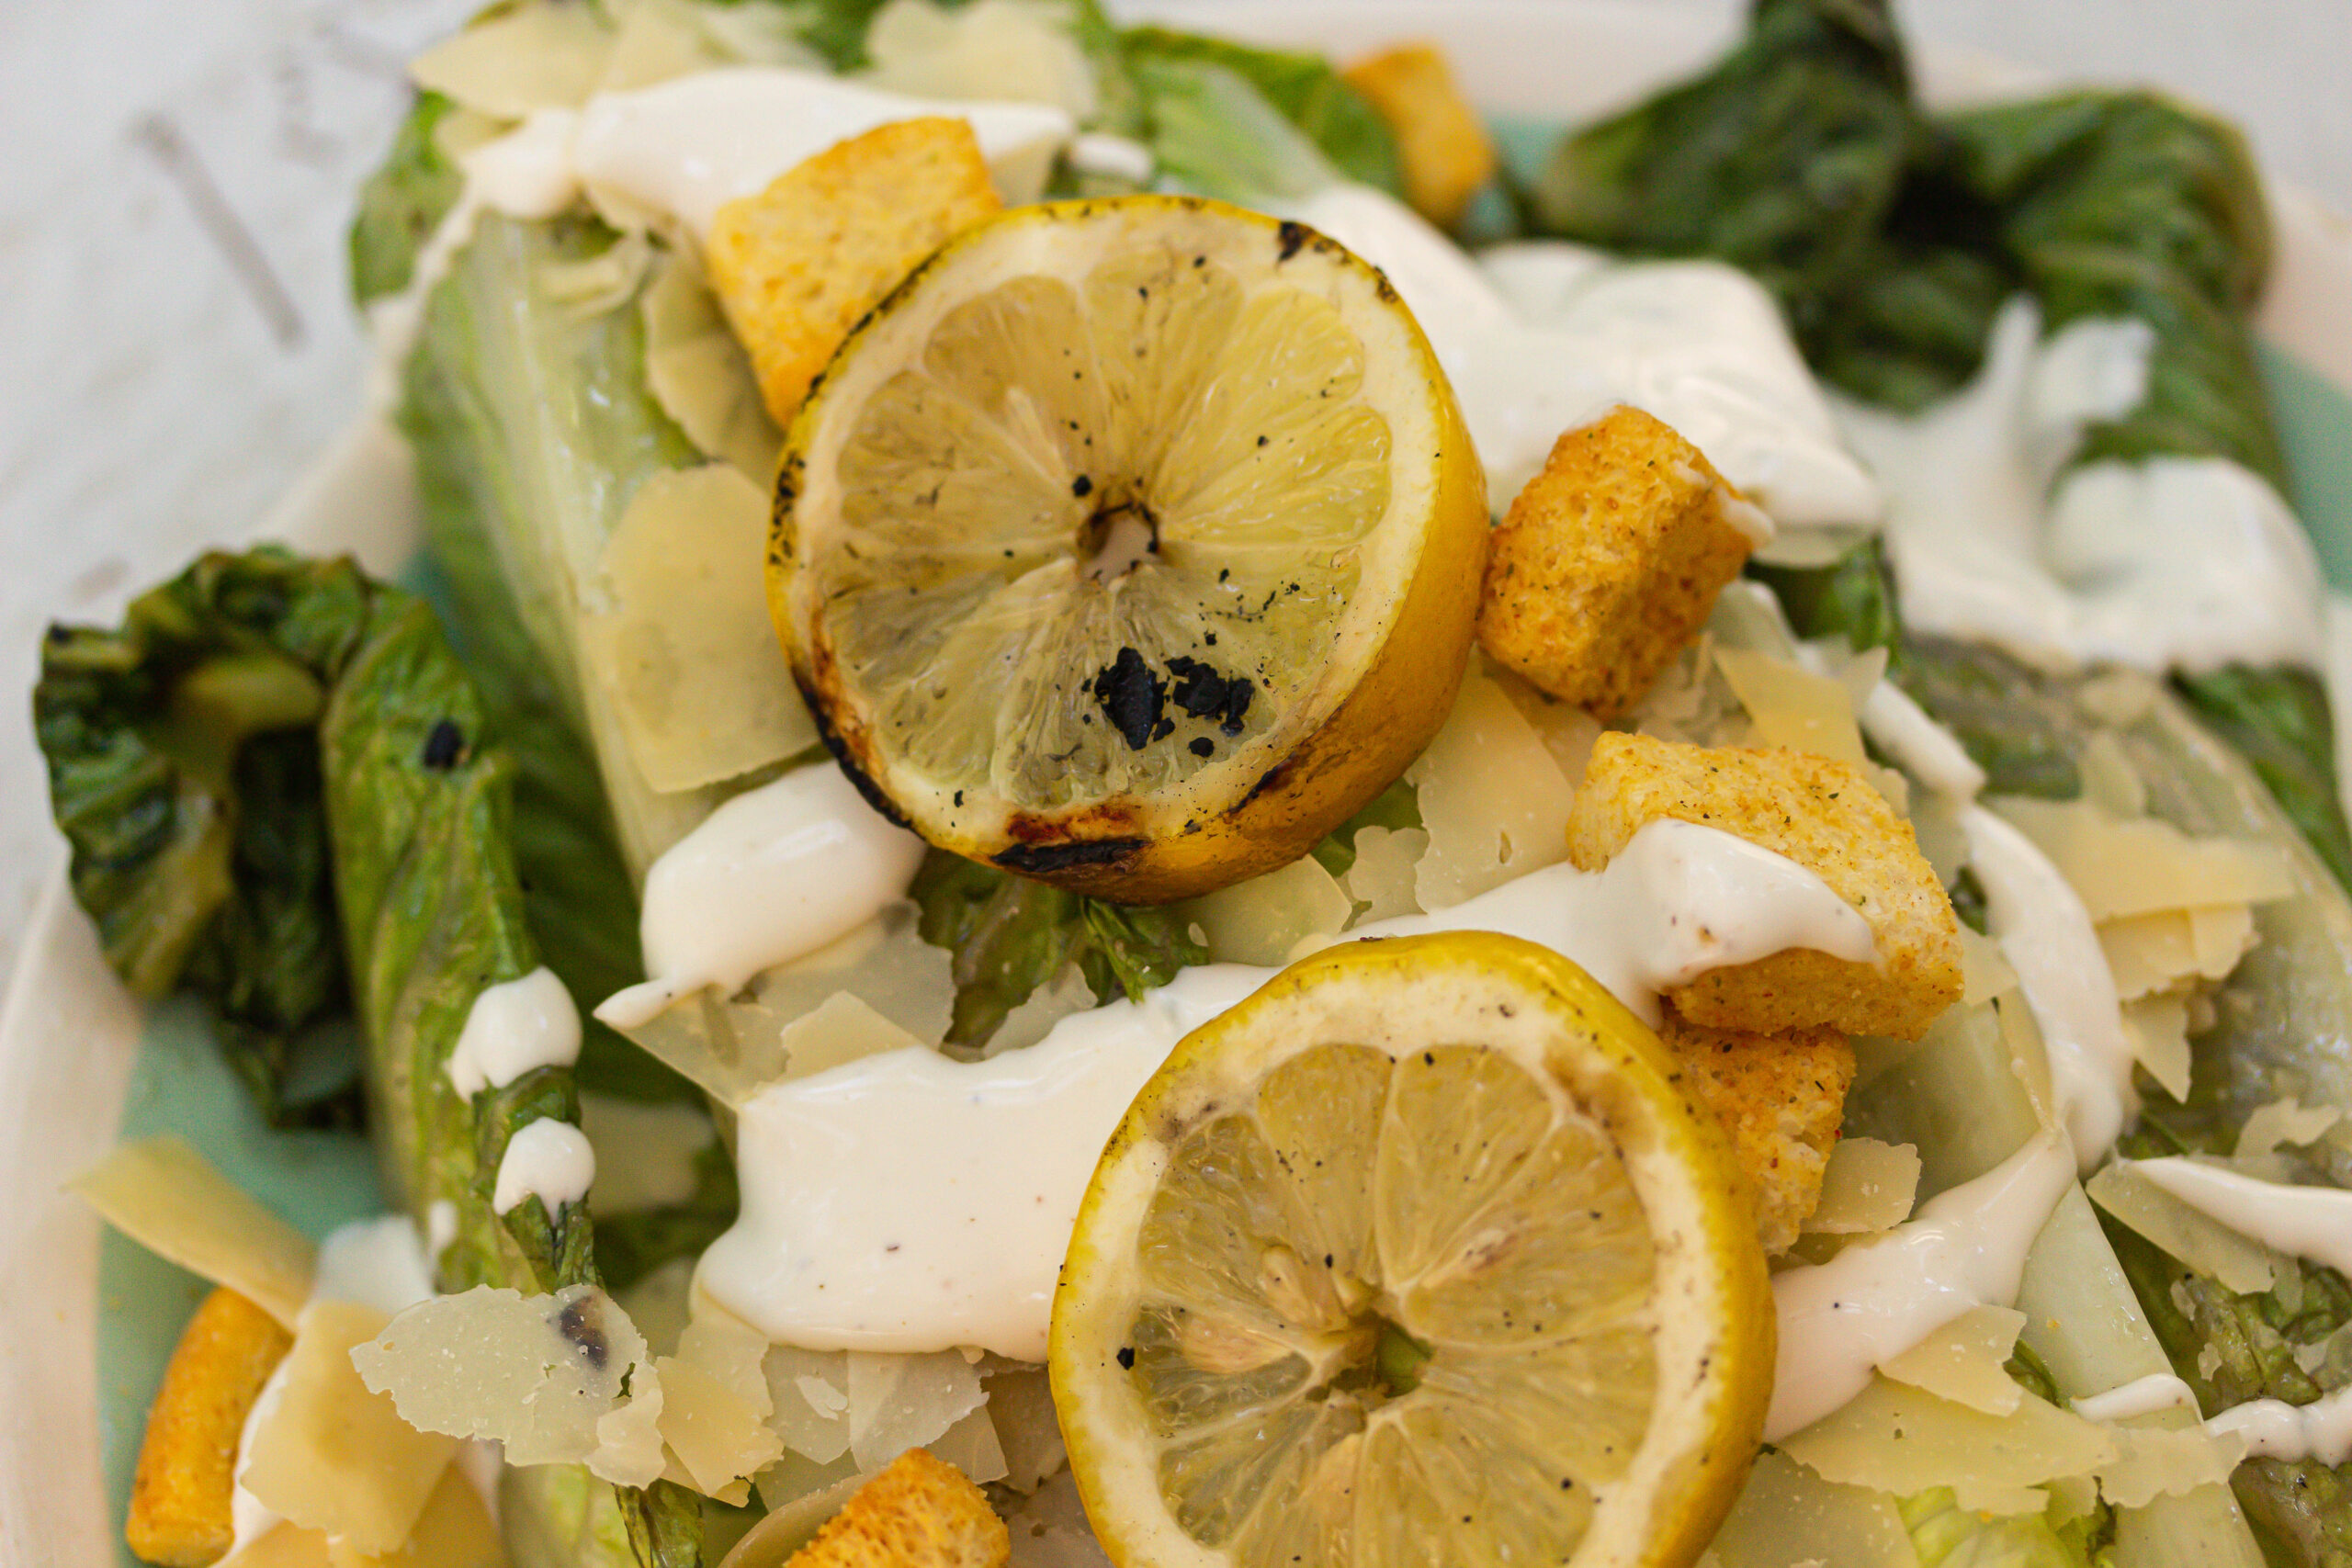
(1127, 813)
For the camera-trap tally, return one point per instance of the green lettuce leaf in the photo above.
(402, 203)
(1009, 936)
(1301, 87)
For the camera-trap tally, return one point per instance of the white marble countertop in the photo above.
(174, 324)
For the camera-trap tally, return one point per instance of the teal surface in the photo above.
(316, 1181)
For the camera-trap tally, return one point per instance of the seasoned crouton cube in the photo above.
(797, 265)
(1826, 817)
(1610, 561)
(920, 1512)
(1439, 139)
(1779, 1099)
(180, 1493)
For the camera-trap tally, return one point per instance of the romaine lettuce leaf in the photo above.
(402, 204)
(1301, 87)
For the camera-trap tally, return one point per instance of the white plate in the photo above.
(69, 1037)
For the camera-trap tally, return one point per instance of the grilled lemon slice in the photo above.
(1132, 544)
(1417, 1256)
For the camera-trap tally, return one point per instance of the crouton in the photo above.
(180, 1493)
(1439, 139)
(1826, 817)
(920, 1512)
(1779, 1099)
(1610, 561)
(797, 265)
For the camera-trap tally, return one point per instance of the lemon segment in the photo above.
(1130, 543)
(1418, 1255)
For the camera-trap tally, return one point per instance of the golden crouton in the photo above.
(1609, 563)
(181, 1491)
(1779, 1099)
(797, 265)
(1439, 139)
(1826, 817)
(920, 1512)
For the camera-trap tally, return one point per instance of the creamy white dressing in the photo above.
(2304, 1222)
(2046, 934)
(1539, 339)
(1119, 157)
(515, 1027)
(2275, 1429)
(2189, 562)
(771, 875)
(910, 1203)
(1921, 746)
(546, 1159)
(1965, 1249)
(2141, 1396)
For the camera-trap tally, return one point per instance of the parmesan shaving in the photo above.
(1793, 708)
(1057, 999)
(1021, 1404)
(730, 1350)
(1789, 1515)
(537, 1373)
(1259, 922)
(2159, 1461)
(1905, 1441)
(629, 1450)
(809, 1391)
(699, 374)
(1050, 1530)
(282, 1546)
(2142, 865)
(1984, 973)
(647, 1151)
(2207, 1245)
(1866, 1186)
(541, 54)
(335, 1456)
(1962, 1361)
(171, 1200)
(883, 963)
(2158, 1027)
(1382, 877)
(1566, 730)
(971, 1446)
(454, 1531)
(1012, 51)
(842, 1031)
(2164, 949)
(659, 39)
(687, 646)
(1494, 801)
(716, 1435)
(2284, 1123)
(896, 1402)
(2111, 782)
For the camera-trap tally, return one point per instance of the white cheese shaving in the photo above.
(171, 1200)
(1493, 800)
(1905, 1441)
(1262, 919)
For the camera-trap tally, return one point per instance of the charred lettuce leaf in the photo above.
(1009, 935)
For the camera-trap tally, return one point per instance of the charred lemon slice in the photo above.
(1131, 545)
(1417, 1256)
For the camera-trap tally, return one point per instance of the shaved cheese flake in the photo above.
(1895, 1438)
(1021, 1404)
(971, 1447)
(699, 374)
(2284, 1123)
(454, 1531)
(629, 1450)
(541, 54)
(2158, 1030)
(842, 1031)
(537, 1374)
(1793, 708)
(883, 963)
(687, 648)
(2159, 950)
(657, 1304)
(809, 1395)
(2164, 1461)
(2142, 865)
(1057, 999)
(1494, 801)
(1566, 730)
(2028, 1055)
(1962, 1361)
(1259, 922)
(1866, 1186)
(896, 1402)
(1983, 972)
(1050, 1530)
(791, 1525)
(647, 1152)
(333, 1455)
(2111, 780)
(1386, 863)
(1016, 50)
(718, 1437)
(1787, 1513)
(171, 1200)
(283, 1546)
(659, 39)
(2205, 1245)
(730, 1350)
